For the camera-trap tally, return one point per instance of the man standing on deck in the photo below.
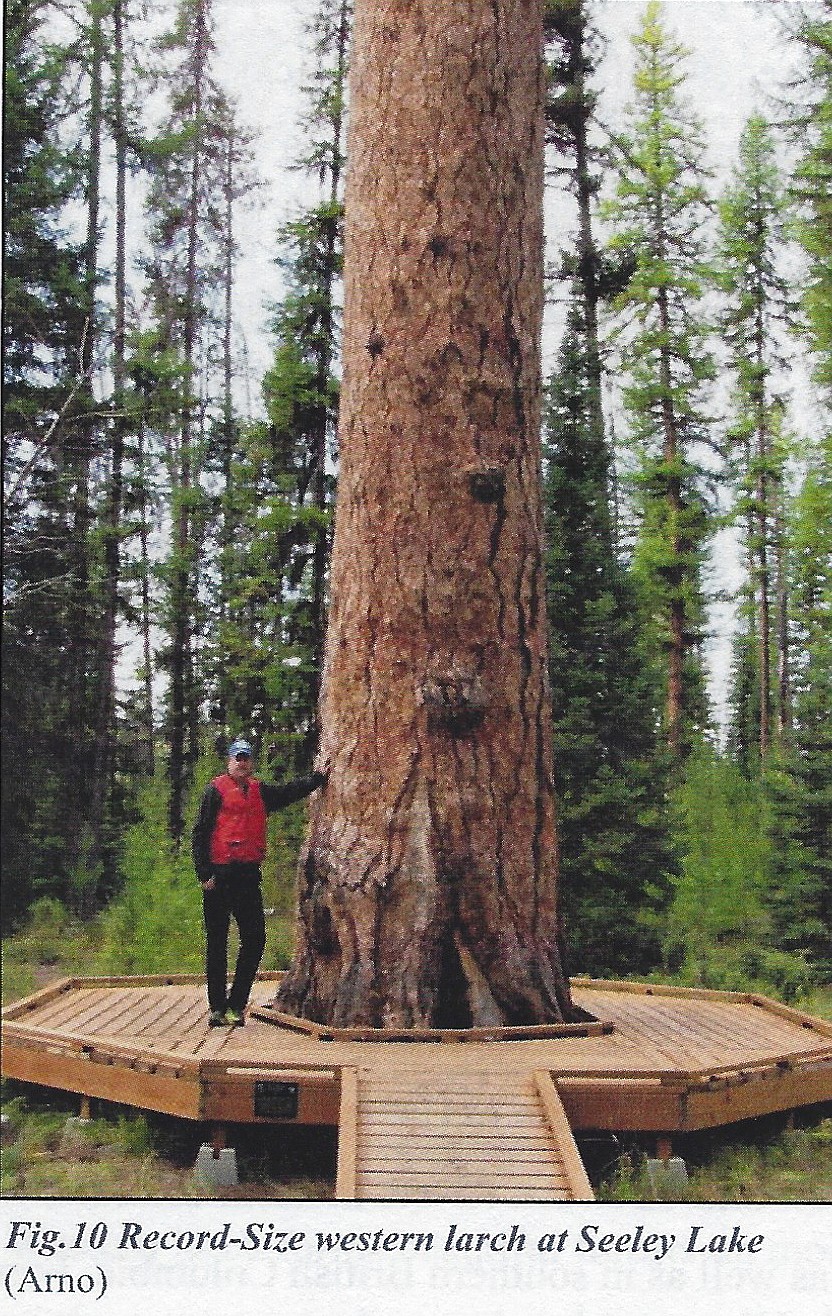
(229, 844)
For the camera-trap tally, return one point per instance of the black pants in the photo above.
(236, 895)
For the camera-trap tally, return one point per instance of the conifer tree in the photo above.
(608, 771)
(801, 781)
(809, 118)
(120, 122)
(657, 215)
(45, 382)
(749, 249)
(428, 882)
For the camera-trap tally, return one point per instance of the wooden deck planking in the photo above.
(107, 1011)
(645, 1038)
(698, 1035)
(440, 1147)
(747, 1034)
(60, 1012)
(188, 1032)
(729, 1031)
(182, 1014)
(690, 1040)
(136, 1014)
(759, 1022)
(485, 1193)
(648, 1046)
(469, 1136)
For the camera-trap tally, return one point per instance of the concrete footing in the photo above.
(218, 1170)
(668, 1175)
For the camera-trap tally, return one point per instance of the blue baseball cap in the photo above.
(238, 747)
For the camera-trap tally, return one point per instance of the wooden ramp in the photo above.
(473, 1136)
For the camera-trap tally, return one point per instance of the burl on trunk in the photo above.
(427, 885)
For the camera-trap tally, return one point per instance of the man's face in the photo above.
(240, 767)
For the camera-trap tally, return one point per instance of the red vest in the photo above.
(239, 834)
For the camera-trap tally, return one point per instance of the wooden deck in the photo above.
(452, 1115)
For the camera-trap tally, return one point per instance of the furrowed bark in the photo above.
(427, 885)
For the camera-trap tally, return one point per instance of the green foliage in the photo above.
(610, 776)
(47, 928)
(718, 929)
(106, 1158)
(48, 662)
(42, 322)
(800, 782)
(136, 1157)
(274, 570)
(756, 307)
(792, 1166)
(811, 126)
(155, 924)
(657, 217)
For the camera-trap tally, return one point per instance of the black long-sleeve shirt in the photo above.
(273, 796)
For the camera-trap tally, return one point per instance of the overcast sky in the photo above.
(264, 54)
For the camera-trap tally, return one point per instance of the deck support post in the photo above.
(85, 1110)
(664, 1148)
(219, 1140)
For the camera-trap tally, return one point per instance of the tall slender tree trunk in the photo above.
(320, 557)
(148, 730)
(103, 765)
(427, 885)
(762, 513)
(226, 528)
(181, 680)
(676, 619)
(84, 660)
(784, 691)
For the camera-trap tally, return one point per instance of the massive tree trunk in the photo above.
(427, 885)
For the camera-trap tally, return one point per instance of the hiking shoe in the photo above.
(216, 1019)
(233, 1018)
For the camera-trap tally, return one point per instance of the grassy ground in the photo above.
(761, 1161)
(47, 1153)
(123, 1154)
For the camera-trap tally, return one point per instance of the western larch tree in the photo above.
(174, 363)
(428, 879)
(750, 244)
(801, 783)
(610, 763)
(658, 214)
(809, 118)
(803, 791)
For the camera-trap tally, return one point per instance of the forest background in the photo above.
(168, 502)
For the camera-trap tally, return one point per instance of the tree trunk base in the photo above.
(425, 953)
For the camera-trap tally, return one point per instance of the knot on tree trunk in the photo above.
(487, 483)
(455, 701)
